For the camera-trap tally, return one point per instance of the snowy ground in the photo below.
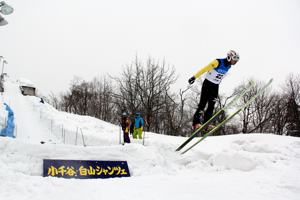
(256, 166)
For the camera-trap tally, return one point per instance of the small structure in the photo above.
(27, 87)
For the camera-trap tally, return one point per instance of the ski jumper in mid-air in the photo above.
(210, 87)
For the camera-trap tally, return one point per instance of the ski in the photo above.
(231, 116)
(194, 134)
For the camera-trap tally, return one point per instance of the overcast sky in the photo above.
(49, 42)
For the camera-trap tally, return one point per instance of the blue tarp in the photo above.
(10, 127)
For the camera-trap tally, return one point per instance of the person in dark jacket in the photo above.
(125, 124)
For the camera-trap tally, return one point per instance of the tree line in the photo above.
(145, 87)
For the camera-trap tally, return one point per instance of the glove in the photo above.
(192, 80)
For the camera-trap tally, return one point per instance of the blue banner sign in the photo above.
(85, 169)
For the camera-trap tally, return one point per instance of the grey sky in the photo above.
(49, 42)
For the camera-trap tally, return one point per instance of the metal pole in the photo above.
(51, 127)
(76, 136)
(120, 133)
(82, 138)
(62, 133)
(144, 137)
(64, 136)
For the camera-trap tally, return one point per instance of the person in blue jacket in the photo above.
(210, 88)
(137, 126)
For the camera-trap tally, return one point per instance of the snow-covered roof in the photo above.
(25, 82)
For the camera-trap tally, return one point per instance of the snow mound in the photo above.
(243, 152)
(155, 158)
(234, 161)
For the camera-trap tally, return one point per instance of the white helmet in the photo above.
(232, 55)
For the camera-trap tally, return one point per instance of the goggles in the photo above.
(235, 58)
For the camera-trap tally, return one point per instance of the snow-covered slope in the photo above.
(256, 166)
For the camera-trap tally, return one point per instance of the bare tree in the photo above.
(155, 82)
(263, 105)
(102, 104)
(293, 104)
(127, 96)
(53, 100)
(176, 119)
(222, 101)
(89, 98)
(279, 114)
(143, 88)
(247, 113)
(265, 114)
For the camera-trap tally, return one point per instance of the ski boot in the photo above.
(198, 118)
(196, 126)
(210, 127)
